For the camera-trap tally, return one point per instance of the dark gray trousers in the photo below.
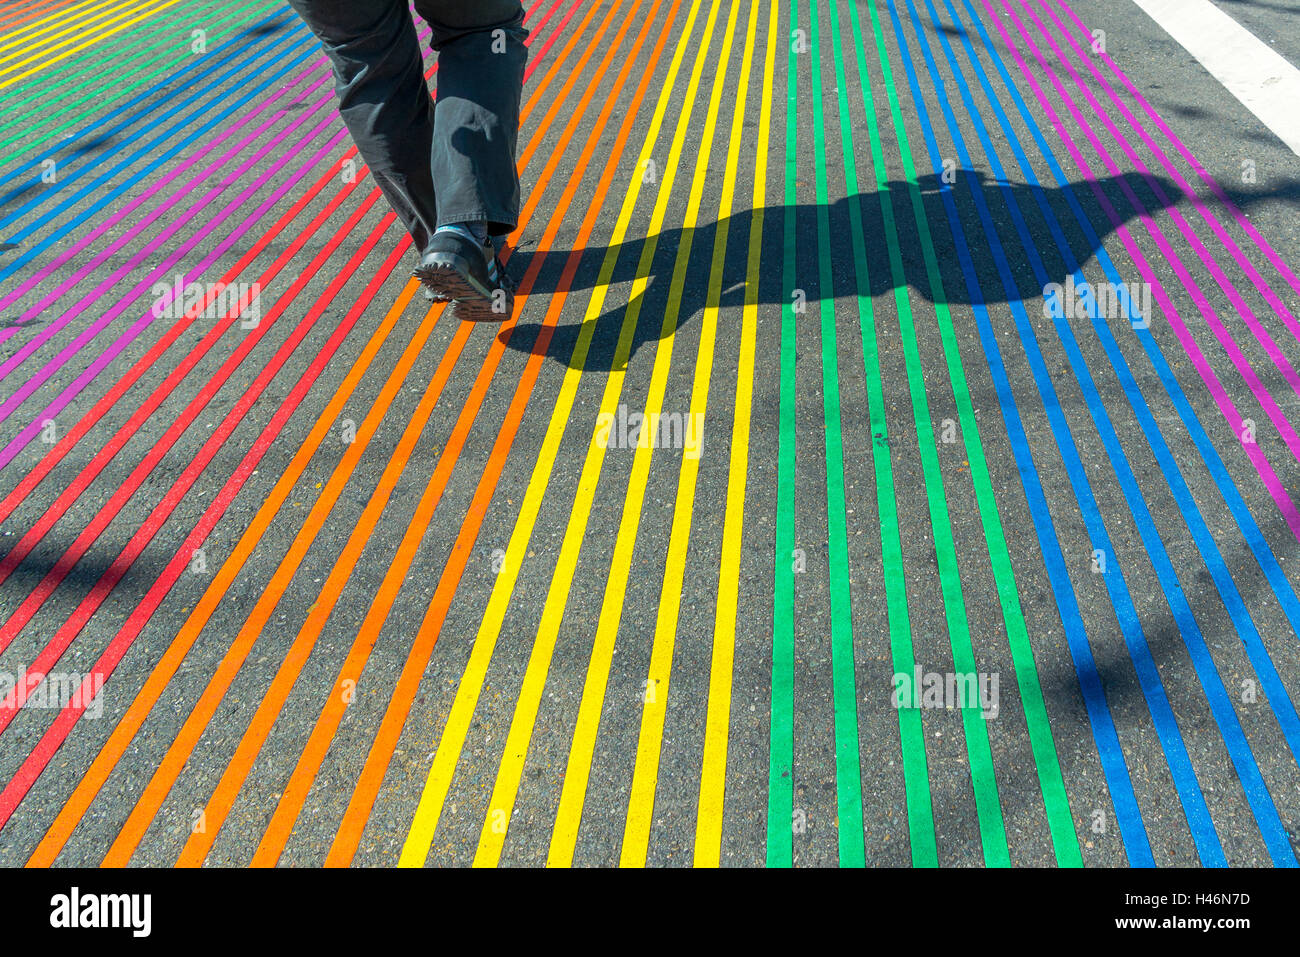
(449, 162)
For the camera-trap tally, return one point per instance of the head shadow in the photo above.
(652, 298)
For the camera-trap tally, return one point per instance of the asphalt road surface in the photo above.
(892, 458)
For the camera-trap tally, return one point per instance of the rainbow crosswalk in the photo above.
(888, 460)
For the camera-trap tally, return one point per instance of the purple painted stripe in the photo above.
(1271, 254)
(78, 385)
(1208, 376)
(1270, 347)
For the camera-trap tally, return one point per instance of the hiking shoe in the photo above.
(459, 267)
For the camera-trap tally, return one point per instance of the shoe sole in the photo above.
(448, 275)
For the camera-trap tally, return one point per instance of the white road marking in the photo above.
(1251, 70)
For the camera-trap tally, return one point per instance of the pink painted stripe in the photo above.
(130, 334)
(1261, 334)
(18, 619)
(1276, 260)
(104, 585)
(1208, 376)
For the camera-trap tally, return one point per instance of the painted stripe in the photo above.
(1258, 281)
(717, 727)
(920, 814)
(1268, 562)
(577, 771)
(1066, 847)
(1274, 687)
(848, 766)
(419, 838)
(1170, 384)
(780, 786)
(1056, 804)
(50, 581)
(1249, 69)
(160, 92)
(181, 134)
(645, 775)
(1111, 755)
(363, 798)
(1055, 800)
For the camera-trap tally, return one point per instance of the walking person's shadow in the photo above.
(693, 292)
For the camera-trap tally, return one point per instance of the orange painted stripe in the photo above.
(218, 806)
(296, 791)
(32, 12)
(173, 763)
(354, 820)
(77, 804)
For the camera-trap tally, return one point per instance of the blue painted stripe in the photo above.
(159, 87)
(1197, 813)
(1221, 702)
(188, 136)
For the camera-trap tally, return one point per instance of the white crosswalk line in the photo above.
(1253, 72)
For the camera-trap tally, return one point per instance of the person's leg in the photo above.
(481, 58)
(383, 99)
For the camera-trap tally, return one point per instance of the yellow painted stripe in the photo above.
(636, 832)
(80, 13)
(501, 805)
(713, 773)
(425, 822)
(63, 52)
(572, 796)
(713, 776)
(713, 779)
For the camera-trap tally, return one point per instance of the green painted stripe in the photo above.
(987, 807)
(848, 773)
(920, 815)
(1060, 821)
(96, 67)
(1064, 840)
(780, 787)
